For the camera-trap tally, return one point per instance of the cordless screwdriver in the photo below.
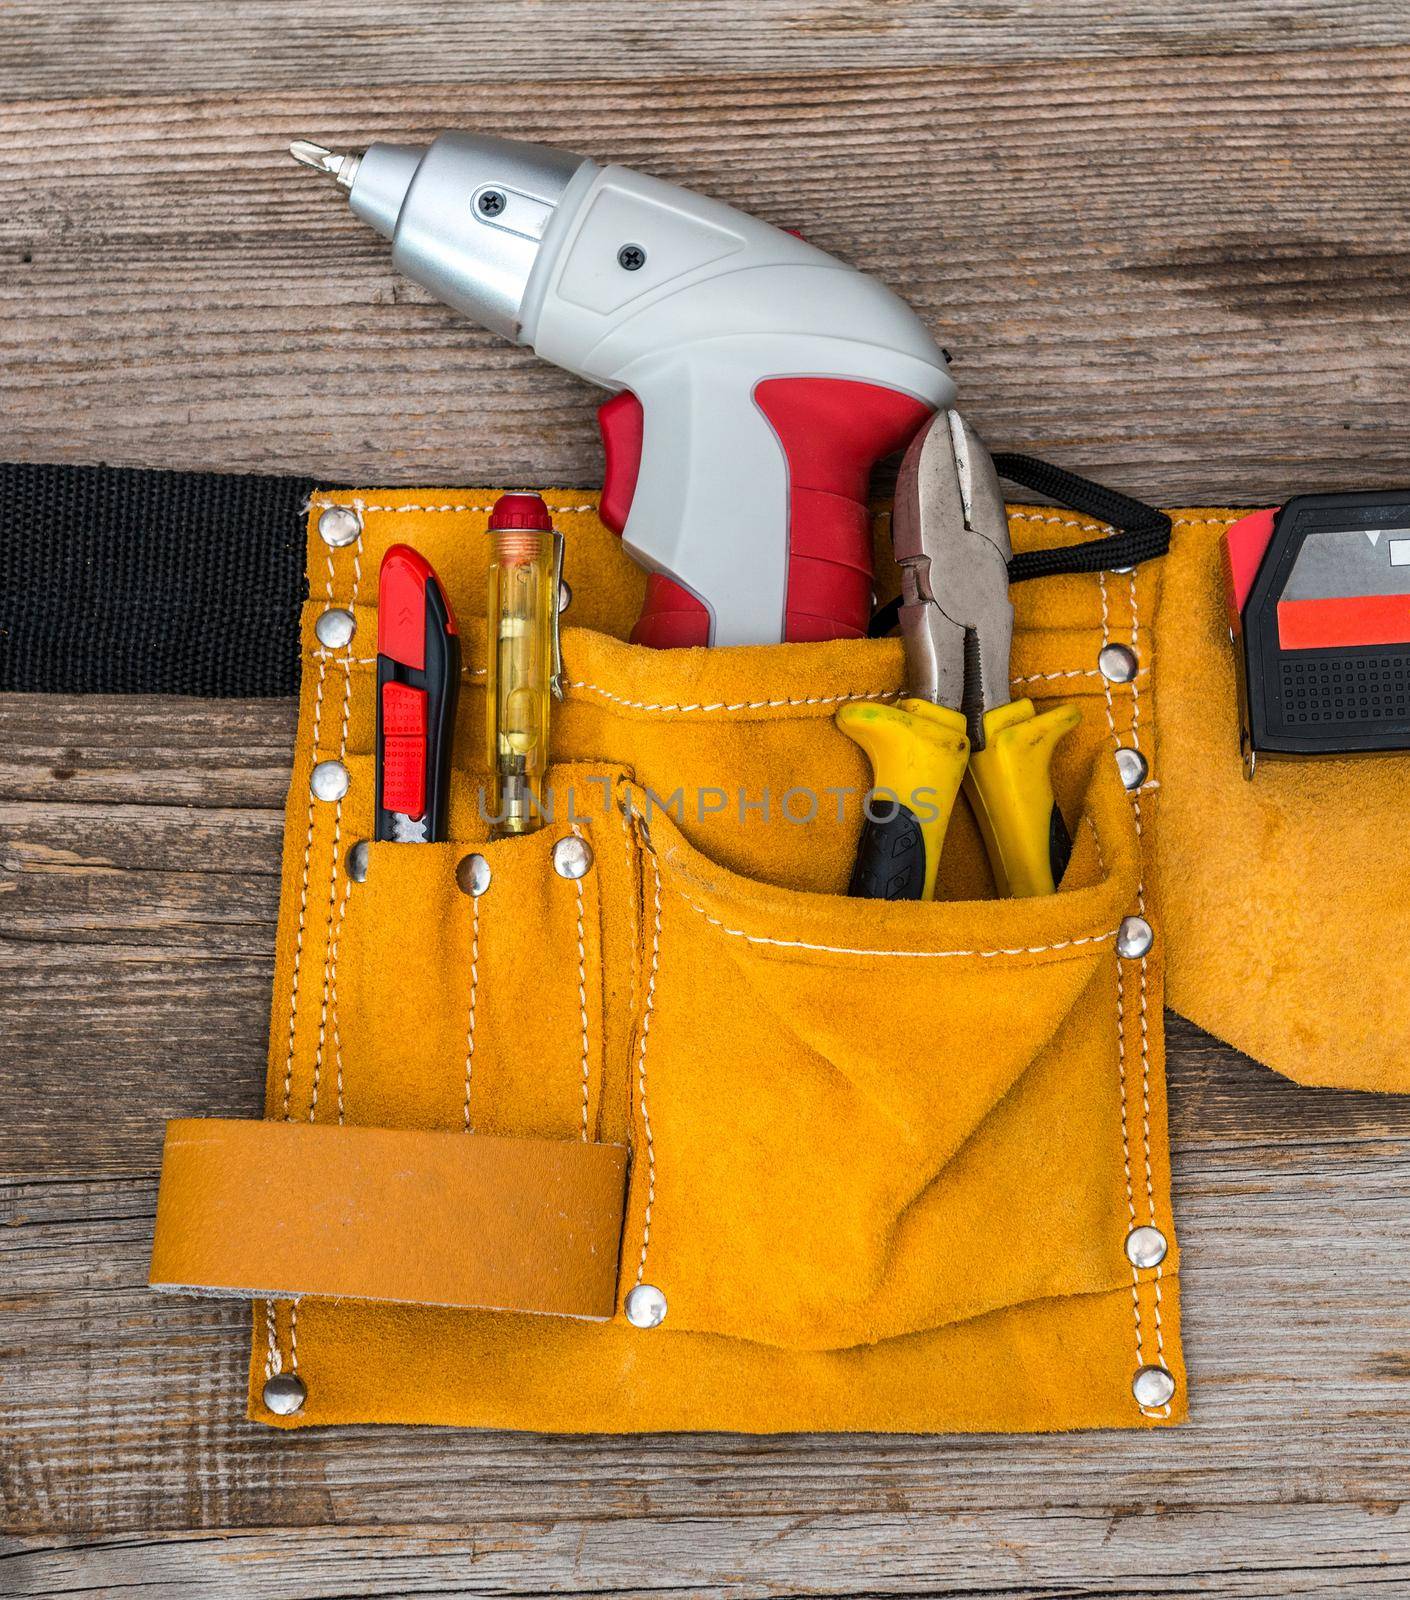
(755, 379)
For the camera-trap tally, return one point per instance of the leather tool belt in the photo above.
(693, 1140)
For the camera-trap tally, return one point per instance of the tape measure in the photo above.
(1319, 612)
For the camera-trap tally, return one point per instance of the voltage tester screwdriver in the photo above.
(756, 380)
(524, 668)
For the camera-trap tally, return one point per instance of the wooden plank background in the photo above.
(1167, 245)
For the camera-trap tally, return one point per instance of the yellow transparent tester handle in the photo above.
(523, 667)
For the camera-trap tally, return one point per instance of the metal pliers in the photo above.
(957, 727)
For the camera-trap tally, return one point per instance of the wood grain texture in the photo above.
(138, 875)
(1185, 275)
(1166, 244)
(65, 47)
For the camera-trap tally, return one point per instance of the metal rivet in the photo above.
(631, 258)
(1153, 1387)
(339, 525)
(1145, 1247)
(284, 1394)
(473, 875)
(572, 857)
(1134, 937)
(357, 862)
(1117, 663)
(565, 594)
(646, 1306)
(1132, 766)
(329, 780)
(335, 628)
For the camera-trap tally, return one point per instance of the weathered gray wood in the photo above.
(134, 964)
(1138, 1551)
(1165, 243)
(1186, 275)
(63, 47)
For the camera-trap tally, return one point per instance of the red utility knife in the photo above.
(418, 676)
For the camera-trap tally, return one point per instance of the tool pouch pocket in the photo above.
(874, 1120)
(862, 1165)
(1275, 887)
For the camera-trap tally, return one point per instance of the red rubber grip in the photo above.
(833, 432)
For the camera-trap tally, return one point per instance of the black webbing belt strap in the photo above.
(115, 580)
(119, 581)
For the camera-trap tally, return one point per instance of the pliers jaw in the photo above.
(958, 728)
(950, 536)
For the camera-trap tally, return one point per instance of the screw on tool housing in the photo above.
(770, 307)
(491, 203)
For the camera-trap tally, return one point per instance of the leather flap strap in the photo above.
(278, 1209)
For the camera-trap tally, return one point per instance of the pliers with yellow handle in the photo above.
(957, 727)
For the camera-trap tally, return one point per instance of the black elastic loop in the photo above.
(1142, 531)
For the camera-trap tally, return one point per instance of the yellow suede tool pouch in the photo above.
(1275, 889)
(639, 1122)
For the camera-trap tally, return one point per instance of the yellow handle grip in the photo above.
(918, 752)
(1010, 787)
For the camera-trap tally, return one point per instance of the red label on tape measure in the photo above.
(1342, 621)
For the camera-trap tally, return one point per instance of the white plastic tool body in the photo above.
(720, 303)
(639, 285)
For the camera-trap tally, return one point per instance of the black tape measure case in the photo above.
(1319, 602)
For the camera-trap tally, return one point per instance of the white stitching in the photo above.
(1031, 519)
(1106, 640)
(725, 705)
(641, 1068)
(474, 990)
(321, 504)
(736, 705)
(1135, 690)
(303, 899)
(337, 1034)
(330, 947)
(1164, 1410)
(330, 993)
(1126, 1144)
(328, 938)
(1144, 1024)
(1048, 677)
(1091, 524)
(632, 892)
(849, 950)
(273, 1361)
(329, 977)
(582, 988)
(346, 660)
(1121, 1040)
